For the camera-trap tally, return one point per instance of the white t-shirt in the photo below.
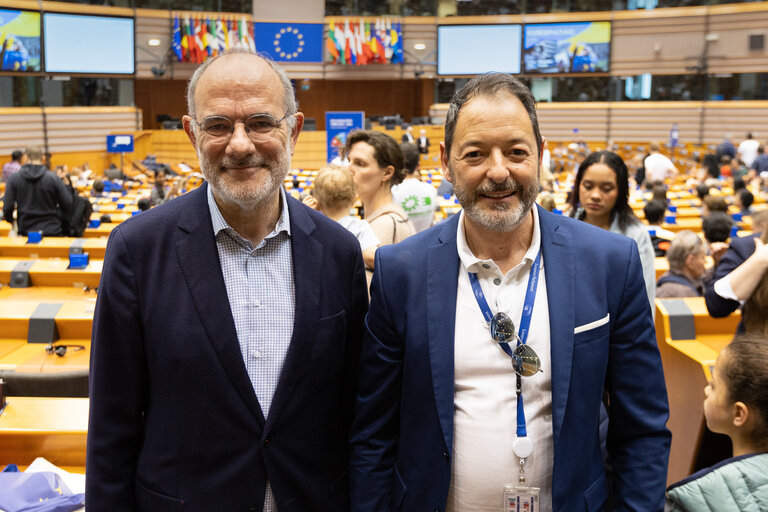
(658, 167)
(418, 200)
(748, 151)
(362, 231)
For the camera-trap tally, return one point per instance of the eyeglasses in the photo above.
(257, 126)
(525, 360)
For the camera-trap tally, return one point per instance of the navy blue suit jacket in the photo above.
(739, 250)
(403, 431)
(174, 420)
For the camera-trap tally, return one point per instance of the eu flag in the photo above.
(290, 42)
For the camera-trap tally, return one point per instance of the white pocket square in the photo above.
(592, 325)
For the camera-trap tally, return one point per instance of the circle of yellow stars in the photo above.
(279, 37)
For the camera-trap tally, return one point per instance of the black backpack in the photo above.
(81, 215)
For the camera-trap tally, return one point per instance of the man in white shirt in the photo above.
(450, 419)
(657, 166)
(747, 150)
(418, 199)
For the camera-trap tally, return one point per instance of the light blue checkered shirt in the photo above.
(262, 297)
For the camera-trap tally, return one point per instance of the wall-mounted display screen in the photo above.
(567, 47)
(19, 40)
(88, 44)
(474, 49)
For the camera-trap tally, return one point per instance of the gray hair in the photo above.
(489, 85)
(683, 245)
(289, 99)
(34, 152)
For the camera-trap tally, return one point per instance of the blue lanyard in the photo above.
(525, 322)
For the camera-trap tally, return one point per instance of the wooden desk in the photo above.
(50, 247)
(73, 320)
(689, 341)
(54, 272)
(54, 428)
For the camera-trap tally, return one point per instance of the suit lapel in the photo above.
(199, 261)
(307, 271)
(558, 263)
(442, 271)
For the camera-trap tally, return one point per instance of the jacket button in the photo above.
(445, 454)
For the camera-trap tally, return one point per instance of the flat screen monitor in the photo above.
(19, 40)
(474, 49)
(567, 47)
(88, 44)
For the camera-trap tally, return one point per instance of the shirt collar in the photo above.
(474, 264)
(220, 224)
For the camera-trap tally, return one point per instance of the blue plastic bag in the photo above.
(37, 492)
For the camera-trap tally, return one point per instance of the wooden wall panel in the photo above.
(20, 127)
(84, 129)
(155, 97)
(559, 123)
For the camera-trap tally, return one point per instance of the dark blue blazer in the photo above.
(403, 431)
(738, 251)
(174, 421)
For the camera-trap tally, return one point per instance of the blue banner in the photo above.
(290, 42)
(337, 127)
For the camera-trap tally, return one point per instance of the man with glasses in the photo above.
(227, 330)
(493, 337)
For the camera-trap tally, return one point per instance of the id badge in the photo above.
(520, 499)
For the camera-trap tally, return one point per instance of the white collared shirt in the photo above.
(485, 401)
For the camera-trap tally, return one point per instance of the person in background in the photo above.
(654, 214)
(160, 193)
(377, 164)
(10, 168)
(747, 150)
(601, 198)
(702, 191)
(743, 200)
(658, 167)
(735, 404)
(711, 204)
(726, 166)
(416, 198)
(717, 230)
(408, 135)
(739, 272)
(761, 161)
(423, 142)
(41, 199)
(548, 202)
(333, 195)
(687, 257)
(97, 189)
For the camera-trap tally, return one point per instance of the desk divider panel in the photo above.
(42, 324)
(681, 321)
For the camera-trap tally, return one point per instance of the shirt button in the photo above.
(256, 354)
(255, 303)
(497, 281)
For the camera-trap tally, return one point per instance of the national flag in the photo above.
(185, 40)
(231, 33)
(205, 43)
(221, 35)
(331, 44)
(176, 44)
(397, 47)
(199, 47)
(349, 52)
(341, 41)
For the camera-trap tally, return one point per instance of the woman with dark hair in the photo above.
(601, 198)
(377, 163)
